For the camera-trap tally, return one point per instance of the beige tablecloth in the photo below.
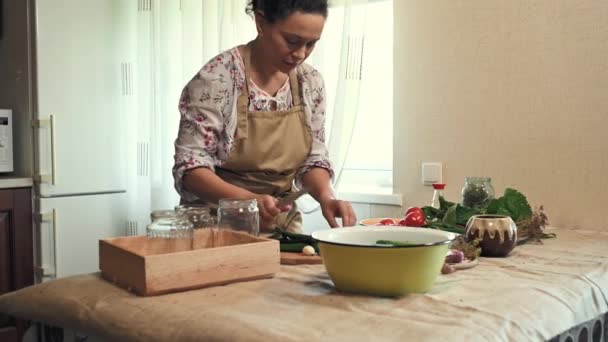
(535, 294)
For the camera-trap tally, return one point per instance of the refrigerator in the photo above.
(80, 93)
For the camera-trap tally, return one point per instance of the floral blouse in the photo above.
(209, 115)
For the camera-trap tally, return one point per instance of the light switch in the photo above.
(431, 173)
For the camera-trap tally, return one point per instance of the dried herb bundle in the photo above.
(533, 229)
(471, 249)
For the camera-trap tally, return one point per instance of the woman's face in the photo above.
(288, 42)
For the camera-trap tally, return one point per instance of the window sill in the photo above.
(379, 197)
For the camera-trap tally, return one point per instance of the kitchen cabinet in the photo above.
(16, 253)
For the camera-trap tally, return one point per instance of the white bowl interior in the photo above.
(367, 236)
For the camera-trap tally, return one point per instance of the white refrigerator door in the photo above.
(68, 239)
(79, 82)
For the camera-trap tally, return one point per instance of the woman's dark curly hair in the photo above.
(275, 10)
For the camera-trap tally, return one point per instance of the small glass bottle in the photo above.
(169, 224)
(477, 192)
(240, 215)
(198, 214)
(437, 192)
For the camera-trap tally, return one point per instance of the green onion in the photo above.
(395, 243)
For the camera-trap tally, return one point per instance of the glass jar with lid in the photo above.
(198, 214)
(169, 224)
(477, 192)
(240, 215)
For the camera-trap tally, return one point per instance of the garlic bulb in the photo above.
(308, 250)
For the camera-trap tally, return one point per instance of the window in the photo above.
(369, 160)
(369, 163)
(173, 39)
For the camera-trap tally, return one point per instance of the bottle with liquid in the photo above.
(437, 192)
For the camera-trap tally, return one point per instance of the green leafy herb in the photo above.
(450, 216)
(470, 249)
(513, 203)
(432, 213)
(453, 217)
(449, 219)
(444, 204)
(395, 243)
(463, 214)
(440, 226)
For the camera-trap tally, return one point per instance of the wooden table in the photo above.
(538, 292)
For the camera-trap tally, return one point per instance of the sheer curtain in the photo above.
(339, 58)
(171, 40)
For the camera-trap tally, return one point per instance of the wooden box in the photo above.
(213, 257)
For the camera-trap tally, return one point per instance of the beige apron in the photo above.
(269, 148)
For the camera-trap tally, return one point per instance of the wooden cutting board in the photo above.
(299, 259)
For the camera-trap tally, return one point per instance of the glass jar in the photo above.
(199, 215)
(477, 192)
(241, 215)
(169, 224)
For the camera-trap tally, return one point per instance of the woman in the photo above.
(252, 120)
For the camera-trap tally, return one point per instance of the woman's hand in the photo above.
(267, 205)
(333, 208)
(317, 182)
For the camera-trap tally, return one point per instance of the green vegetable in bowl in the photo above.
(395, 243)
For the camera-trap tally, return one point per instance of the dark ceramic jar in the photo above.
(497, 234)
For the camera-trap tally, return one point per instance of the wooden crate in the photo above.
(213, 257)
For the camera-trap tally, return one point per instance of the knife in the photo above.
(290, 198)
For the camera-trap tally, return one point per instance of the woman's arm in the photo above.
(313, 90)
(206, 184)
(209, 186)
(208, 117)
(317, 182)
(316, 172)
(201, 126)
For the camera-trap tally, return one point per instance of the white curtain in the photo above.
(171, 40)
(345, 86)
(342, 70)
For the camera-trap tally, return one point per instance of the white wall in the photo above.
(516, 90)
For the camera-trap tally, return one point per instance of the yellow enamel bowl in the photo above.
(357, 264)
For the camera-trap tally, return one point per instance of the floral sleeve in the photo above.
(207, 119)
(313, 90)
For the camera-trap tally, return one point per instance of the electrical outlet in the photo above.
(431, 173)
